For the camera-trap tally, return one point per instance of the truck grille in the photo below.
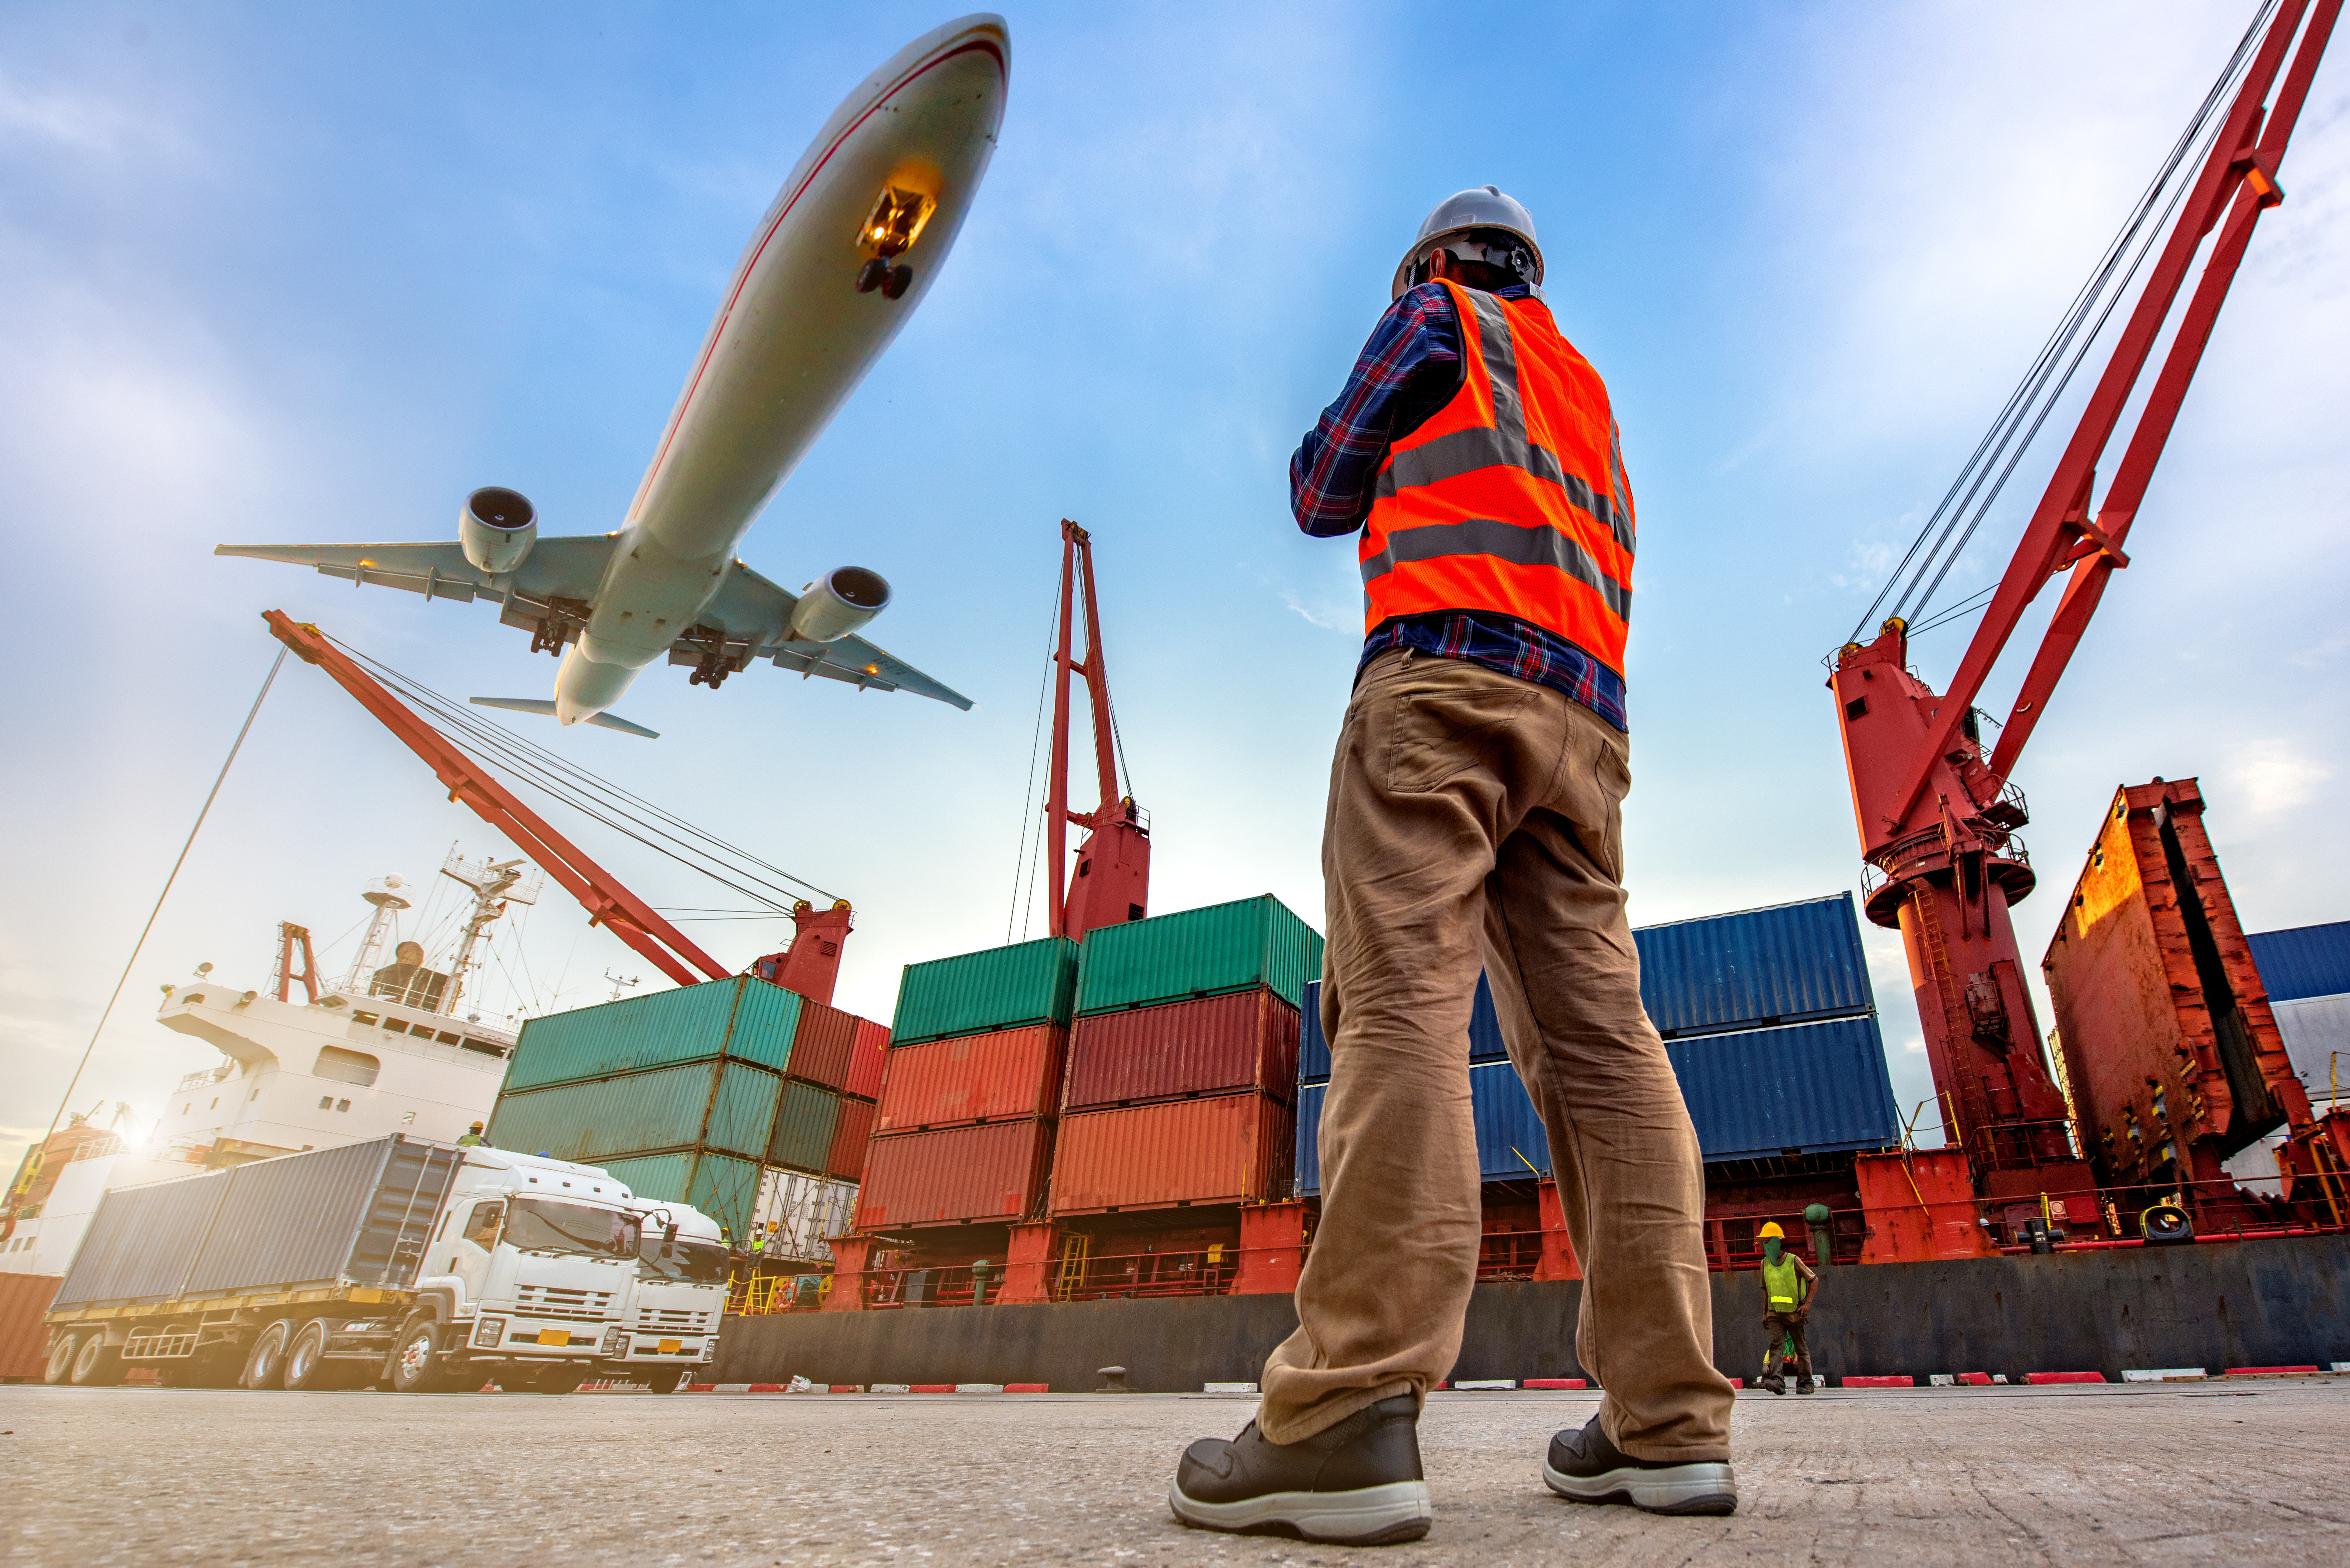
(549, 1300)
(671, 1320)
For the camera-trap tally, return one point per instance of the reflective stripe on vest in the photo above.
(1511, 498)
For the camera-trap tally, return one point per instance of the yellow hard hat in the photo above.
(1772, 1229)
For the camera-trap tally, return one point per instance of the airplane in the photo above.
(847, 250)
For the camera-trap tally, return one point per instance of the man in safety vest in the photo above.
(473, 1139)
(1475, 820)
(1789, 1288)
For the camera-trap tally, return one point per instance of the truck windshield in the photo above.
(695, 1263)
(550, 1225)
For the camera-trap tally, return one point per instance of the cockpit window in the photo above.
(550, 1225)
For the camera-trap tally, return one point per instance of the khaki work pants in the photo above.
(1474, 817)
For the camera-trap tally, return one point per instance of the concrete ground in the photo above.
(2184, 1473)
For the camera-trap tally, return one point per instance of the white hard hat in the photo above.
(1480, 207)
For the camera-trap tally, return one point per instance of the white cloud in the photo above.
(2275, 775)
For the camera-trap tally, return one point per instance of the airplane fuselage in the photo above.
(794, 336)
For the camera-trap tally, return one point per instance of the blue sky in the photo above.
(277, 272)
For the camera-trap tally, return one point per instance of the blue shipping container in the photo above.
(2307, 961)
(1314, 1051)
(1755, 967)
(1756, 1093)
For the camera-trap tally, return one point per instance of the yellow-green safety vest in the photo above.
(1783, 1283)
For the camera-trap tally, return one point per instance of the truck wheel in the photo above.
(308, 1370)
(97, 1365)
(62, 1346)
(665, 1379)
(559, 1378)
(415, 1362)
(264, 1366)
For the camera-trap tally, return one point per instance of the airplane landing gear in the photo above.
(892, 281)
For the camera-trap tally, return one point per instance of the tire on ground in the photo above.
(97, 1365)
(63, 1346)
(416, 1367)
(265, 1364)
(308, 1370)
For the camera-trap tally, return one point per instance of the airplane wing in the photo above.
(748, 619)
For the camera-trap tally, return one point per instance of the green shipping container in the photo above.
(997, 988)
(745, 1018)
(803, 1128)
(720, 1185)
(723, 1105)
(1199, 952)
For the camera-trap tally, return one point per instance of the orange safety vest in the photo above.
(1511, 498)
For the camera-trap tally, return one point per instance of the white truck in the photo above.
(412, 1265)
(682, 1267)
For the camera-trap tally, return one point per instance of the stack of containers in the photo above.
(1768, 1019)
(691, 1094)
(1181, 1089)
(964, 1131)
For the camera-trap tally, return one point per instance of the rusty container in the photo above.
(849, 1139)
(2169, 1041)
(1233, 1149)
(24, 1338)
(823, 1045)
(1244, 1039)
(865, 1059)
(995, 1172)
(1006, 1075)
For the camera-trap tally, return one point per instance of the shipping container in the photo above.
(1238, 946)
(803, 1128)
(358, 1213)
(24, 1338)
(1755, 967)
(2316, 1034)
(806, 1211)
(719, 1105)
(823, 1044)
(1242, 1040)
(1009, 1074)
(868, 1059)
(1314, 1051)
(847, 1158)
(977, 993)
(995, 1172)
(724, 1186)
(1812, 1088)
(1233, 1148)
(2303, 962)
(745, 1018)
(1511, 1143)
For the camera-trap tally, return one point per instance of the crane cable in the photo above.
(1963, 506)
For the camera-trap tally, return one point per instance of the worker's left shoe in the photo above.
(1806, 1385)
(1772, 1381)
(1358, 1483)
(1585, 1467)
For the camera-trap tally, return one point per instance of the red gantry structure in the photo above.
(1937, 809)
(1111, 883)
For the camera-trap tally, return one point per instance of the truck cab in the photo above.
(680, 1299)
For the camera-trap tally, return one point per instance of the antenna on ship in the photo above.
(621, 983)
(385, 894)
(496, 884)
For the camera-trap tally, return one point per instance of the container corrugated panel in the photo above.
(1314, 1051)
(1233, 1148)
(1810, 1086)
(143, 1240)
(24, 1338)
(822, 1047)
(1199, 952)
(2304, 961)
(869, 1058)
(847, 1158)
(1499, 1107)
(1242, 1040)
(1774, 965)
(1309, 1137)
(977, 993)
(641, 1112)
(1008, 1074)
(744, 1017)
(995, 1172)
(723, 1186)
(803, 1128)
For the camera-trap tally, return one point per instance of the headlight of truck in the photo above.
(708, 1349)
(489, 1333)
(616, 1341)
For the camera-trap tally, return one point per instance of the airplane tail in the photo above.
(541, 705)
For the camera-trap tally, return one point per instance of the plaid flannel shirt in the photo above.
(1409, 370)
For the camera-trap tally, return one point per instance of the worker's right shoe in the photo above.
(1585, 1467)
(1774, 1382)
(1356, 1484)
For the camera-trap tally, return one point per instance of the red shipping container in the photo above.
(822, 1045)
(1246, 1040)
(849, 1138)
(1233, 1148)
(23, 1337)
(992, 1172)
(973, 1078)
(865, 1059)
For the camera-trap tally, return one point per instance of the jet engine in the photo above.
(838, 604)
(497, 527)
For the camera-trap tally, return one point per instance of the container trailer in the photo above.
(416, 1266)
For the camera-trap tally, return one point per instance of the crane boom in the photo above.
(600, 893)
(1111, 881)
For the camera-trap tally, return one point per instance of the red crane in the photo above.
(1936, 810)
(1111, 883)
